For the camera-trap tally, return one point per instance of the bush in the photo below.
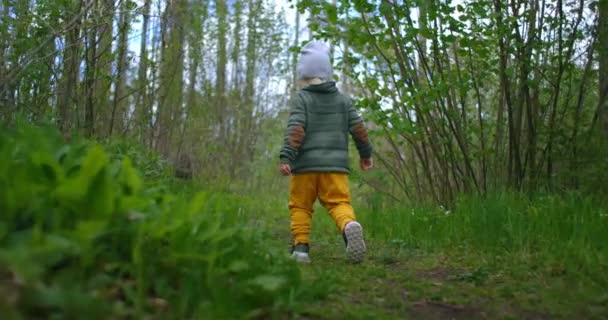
(82, 233)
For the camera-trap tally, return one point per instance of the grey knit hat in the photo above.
(314, 62)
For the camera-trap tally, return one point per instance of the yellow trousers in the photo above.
(332, 191)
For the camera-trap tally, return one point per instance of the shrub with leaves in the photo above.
(82, 234)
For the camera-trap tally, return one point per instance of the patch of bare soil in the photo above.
(429, 309)
(438, 273)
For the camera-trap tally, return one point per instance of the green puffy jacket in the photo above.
(316, 139)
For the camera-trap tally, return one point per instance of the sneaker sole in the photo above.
(300, 258)
(355, 247)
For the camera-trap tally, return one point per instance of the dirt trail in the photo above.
(414, 287)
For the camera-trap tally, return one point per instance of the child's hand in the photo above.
(285, 169)
(366, 164)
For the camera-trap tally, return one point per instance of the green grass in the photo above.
(107, 232)
(502, 257)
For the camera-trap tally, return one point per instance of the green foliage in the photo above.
(150, 164)
(569, 228)
(82, 233)
(472, 103)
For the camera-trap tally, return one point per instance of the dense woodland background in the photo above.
(463, 96)
(194, 80)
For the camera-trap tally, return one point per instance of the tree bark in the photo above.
(236, 48)
(294, 61)
(4, 40)
(514, 161)
(103, 65)
(220, 71)
(90, 80)
(68, 83)
(143, 116)
(119, 105)
(247, 134)
(171, 75)
(603, 64)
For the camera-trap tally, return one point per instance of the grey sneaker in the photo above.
(355, 245)
(299, 253)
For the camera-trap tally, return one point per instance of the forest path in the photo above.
(398, 283)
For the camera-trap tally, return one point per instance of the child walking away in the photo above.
(315, 153)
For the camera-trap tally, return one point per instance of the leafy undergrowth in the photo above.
(82, 233)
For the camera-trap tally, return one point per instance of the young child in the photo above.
(315, 153)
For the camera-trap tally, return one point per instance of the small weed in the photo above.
(478, 276)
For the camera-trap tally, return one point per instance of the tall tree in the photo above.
(119, 102)
(220, 69)
(192, 119)
(104, 21)
(90, 77)
(296, 43)
(236, 46)
(171, 74)
(143, 106)
(603, 62)
(255, 8)
(68, 83)
(4, 43)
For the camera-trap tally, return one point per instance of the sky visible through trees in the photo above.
(464, 96)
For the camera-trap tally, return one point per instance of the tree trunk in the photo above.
(220, 71)
(294, 61)
(171, 75)
(67, 92)
(556, 93)
(119, 105)
(347, 70)
(4, 41)
(196, 18)
(236, 48)
(514, 161)
(159, 38)
(255, 7)
(603, 63)
(482, 138)
(238, 112)
(103, 73)
(143, 116)
(89, 80)
(525, 97)
(574, 143)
